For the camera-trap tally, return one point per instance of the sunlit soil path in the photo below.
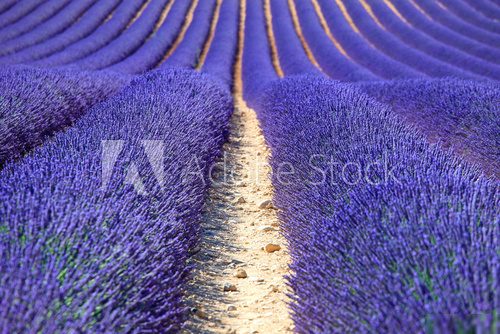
(237, 227)
(239, 281)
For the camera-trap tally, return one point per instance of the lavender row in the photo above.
(56, 24)
(460, 115)
(333, 62)
(359, 50)
(486, 8)
(433, 48)
(257, 66)
(36, 103)
(126, 43)
(156, 46)
(100, 38)
(444, 17)
(188, 52)
(16, 12)
(32, 19)
(465, 12)
(396, 49)
(6, 5)
(221, 54)
(291, 54)
(446, 34)
(97, 225)
(85, 26)
(387, 233)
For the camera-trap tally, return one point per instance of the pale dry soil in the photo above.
(235, 233)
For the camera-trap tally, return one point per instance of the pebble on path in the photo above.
(267, 204)
(271, 248)
(230, 287)
(241, 273)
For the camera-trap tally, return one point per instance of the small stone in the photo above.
(200, 314)
(241, 273)
(195, 250)
(267, 204)
(267, 229)
(258, 280)
(274, 288)
(271, 248)
(231, 308)
(230, 287)
(241, 200)
(275, 224)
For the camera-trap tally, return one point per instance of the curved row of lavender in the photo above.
(390, 228)
(447, 35)
(89, 244)
(446, 18)
(387, 232)
(98, 223)
(35, 103)
(443, 283)
(457, 114)
(86, 25)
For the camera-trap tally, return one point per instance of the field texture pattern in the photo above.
(382, 118)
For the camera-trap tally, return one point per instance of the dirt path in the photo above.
(237, 229)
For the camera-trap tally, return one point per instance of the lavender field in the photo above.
(249, 166)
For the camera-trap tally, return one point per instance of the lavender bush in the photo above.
(409, 245)
(461, 115)
(386, 181)
(82, 254)
(35, 103)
